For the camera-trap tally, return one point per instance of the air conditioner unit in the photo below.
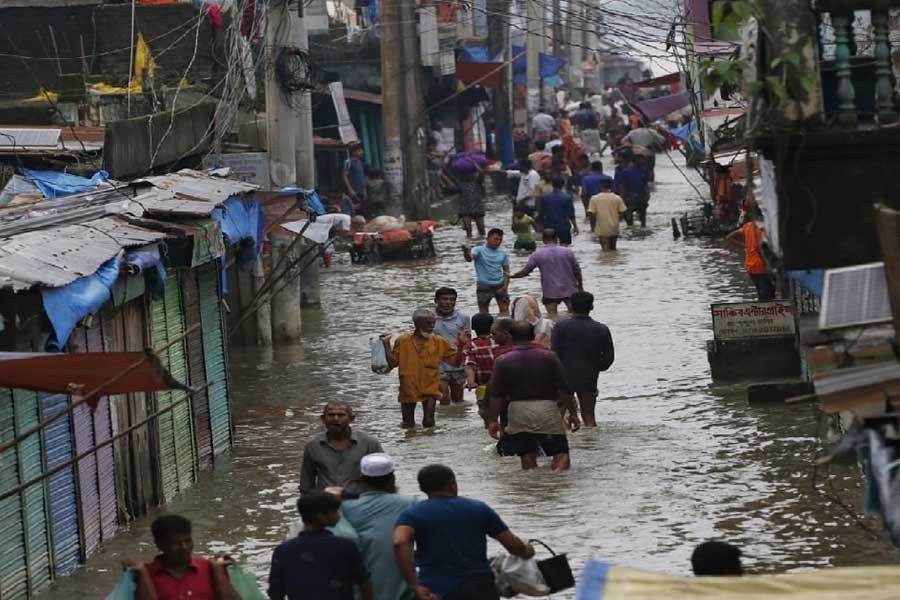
(855, 296)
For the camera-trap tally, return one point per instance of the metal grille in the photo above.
(216, 356)
(63, 501)
(31, 465)
(197, 370)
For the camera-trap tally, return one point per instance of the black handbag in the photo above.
(556, 570)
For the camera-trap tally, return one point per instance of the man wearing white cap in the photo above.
(372, 516)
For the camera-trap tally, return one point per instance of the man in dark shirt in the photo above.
(530, 384)
(450, 534)
(590, 183)
(317, 565)
(331, 458)
(631, 184)
(585, 348)
(557, 212)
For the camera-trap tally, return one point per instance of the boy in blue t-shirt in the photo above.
(491, 271)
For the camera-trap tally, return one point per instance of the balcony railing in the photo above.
(849, 102)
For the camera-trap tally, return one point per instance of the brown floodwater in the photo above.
(675, 461)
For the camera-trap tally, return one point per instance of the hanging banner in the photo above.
(345, 125)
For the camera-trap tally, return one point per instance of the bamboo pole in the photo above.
(103, 444)
(148, 353)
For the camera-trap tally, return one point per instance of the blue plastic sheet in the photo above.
(147, 261)
(812, 280)
(242, 222)
(67, 305)
(549, 65)
(54, 184)
(313, 203)
(126, 589)
(688, 133)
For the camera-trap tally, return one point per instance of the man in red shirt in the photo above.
(175, 574)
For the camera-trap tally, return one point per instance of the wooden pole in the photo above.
(103, 444)
(95, 392)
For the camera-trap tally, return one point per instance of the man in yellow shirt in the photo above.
(605, 211)
(419, 355)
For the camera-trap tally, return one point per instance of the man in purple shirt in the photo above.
(560, 272)
(529, 385)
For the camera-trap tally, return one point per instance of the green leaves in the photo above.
(716, 73)
(727, 15)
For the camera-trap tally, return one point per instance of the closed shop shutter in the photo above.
(58, 448)
(31, 465)
(197, 370)
(175, 427)
(13, 569)
(106, 468)
(215, 355)
(88, 487)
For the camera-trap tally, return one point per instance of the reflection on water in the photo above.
(675, 461)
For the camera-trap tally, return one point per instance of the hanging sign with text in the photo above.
(345, 125)
(741, 320)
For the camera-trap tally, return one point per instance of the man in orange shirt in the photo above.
(749, 237)
(419, 355)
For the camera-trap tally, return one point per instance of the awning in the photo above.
(486, 74)
(670, 79)
(658, 108)
(80, 372)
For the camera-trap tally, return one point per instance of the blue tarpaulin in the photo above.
(812, 280)
(313, 204)
(242, 222)
(549, 65)
(688, 133)
(54, 184)
(67, 305)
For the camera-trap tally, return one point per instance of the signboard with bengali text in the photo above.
(742, 320)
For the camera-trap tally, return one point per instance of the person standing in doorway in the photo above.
(175, 572)
(585, 348)
(453, 326)
(419, 354)
(491, 271)
(450, 535)
(529, 384)
(354, 176)
(318, 565)
(331, 458)
(372, 517)
(750, 237)
(605, 212)
(560, 273)
(557, 211)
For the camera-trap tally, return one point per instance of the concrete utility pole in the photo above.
(535, 32)
(415, 132)
(393, 101)
(498, 41)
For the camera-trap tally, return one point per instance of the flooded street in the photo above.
(676, 460)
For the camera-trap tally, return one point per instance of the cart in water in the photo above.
(410, 240)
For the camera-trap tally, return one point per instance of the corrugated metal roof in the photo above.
(199, 186)
(58, 256)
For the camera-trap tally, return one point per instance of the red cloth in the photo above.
(396, 235)
(196, 583)
(485, 74)
(479, 354)
(215, 15)
(428, 226)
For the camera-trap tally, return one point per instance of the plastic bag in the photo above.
(514, 575)
(245, 584)
(126, 589)
(379, 357)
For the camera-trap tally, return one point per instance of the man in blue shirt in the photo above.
(631, 184)
(317, 565)
(354, 176)
(557, 212)
(590, 183)
(450, 534)
(491, 271)
(370, 520)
